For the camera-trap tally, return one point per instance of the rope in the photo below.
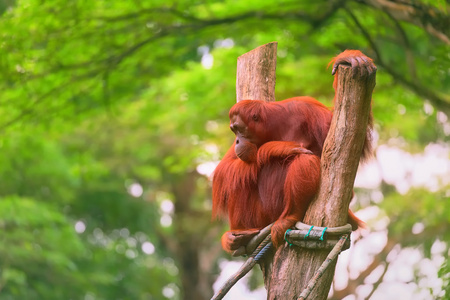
(286, 235)
(309, 231)
(262, 252)
(323, 233)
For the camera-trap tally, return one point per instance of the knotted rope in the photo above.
(305, 236)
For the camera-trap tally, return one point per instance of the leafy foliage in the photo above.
(110, 108)
(40, 247)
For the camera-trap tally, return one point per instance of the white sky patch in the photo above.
(80, 227)
(240, 289)
(168, 291)
(136, 190)
(207, 61)
(207, 168)
(430, 169)
(417, 228)
(148, 248)
(226, 43)
(428, 108)
(442, 118)
(369, 175)
(165, 220)
(167, 206)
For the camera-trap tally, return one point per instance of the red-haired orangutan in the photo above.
(272, 171)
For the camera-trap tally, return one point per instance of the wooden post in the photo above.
(255, 75)
(287, 273)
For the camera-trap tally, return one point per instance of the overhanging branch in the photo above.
(434, 21)
(441, 102)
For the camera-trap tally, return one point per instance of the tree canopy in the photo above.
(113, 114)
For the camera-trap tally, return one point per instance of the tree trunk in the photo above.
(255, 75)
(188, 248)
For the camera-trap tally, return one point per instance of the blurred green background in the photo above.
(114, 113)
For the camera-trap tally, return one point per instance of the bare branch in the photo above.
(437, 23)
(406, 46)
(145, 13)
(441, 102)
(30, 109)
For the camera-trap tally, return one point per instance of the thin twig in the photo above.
(379, 281)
